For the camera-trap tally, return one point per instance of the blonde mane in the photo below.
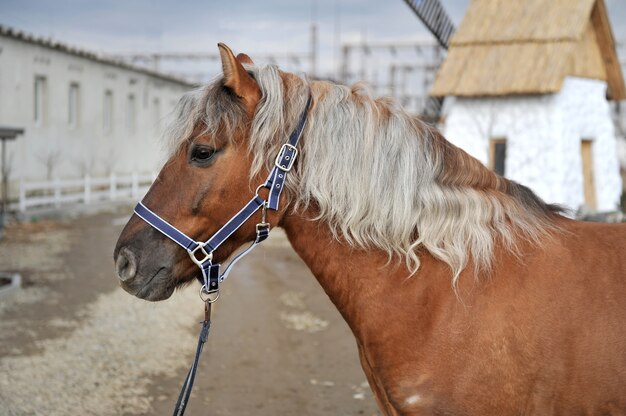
(378, 176)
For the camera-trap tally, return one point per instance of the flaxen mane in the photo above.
(378, 175)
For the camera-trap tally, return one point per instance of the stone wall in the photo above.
(543, 134)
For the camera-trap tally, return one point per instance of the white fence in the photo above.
(83, 190)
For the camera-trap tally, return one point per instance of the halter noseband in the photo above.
(201, 253)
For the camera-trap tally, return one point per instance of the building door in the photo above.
(589, 187)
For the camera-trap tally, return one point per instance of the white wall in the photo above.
(543, 135)
(86, 146)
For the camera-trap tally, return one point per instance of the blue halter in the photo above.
(202, 253)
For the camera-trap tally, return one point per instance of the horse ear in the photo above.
(237, 79)
(244, 59)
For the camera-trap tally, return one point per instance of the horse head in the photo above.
(207, 179)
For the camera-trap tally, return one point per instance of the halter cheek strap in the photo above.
(201, 253)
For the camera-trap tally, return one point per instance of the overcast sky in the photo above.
(250, 26)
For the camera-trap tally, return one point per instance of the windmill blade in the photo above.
(432, 13)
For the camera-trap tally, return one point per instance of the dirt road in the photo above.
(72, 342)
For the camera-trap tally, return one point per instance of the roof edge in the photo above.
(19, 35)
(606, 42)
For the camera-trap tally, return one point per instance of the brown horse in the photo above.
(466, 293)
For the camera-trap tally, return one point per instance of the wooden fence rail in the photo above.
(83, 190)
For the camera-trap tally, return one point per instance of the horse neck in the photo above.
(357, 280)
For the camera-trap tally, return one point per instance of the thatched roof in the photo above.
(505, 47)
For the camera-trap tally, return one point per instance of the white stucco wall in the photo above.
(86, 147)
(543, 134)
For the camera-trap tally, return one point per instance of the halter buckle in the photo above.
(289, 161)
(261, 226)
(200, 262)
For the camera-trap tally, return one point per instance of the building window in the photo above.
(39, 100)
(72, 109)
(107, 112)
(156, 110)
(497, 155)
(131, 113)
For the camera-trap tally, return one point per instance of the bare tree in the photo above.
(51, 160)
(109, 163)
(485, 120)
(7, 169)
(85, 165)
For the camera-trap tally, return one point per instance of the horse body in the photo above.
(532, 339)
(466, 293)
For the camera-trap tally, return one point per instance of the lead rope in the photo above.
(185, 392)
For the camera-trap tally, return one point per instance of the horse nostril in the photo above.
(126, 265)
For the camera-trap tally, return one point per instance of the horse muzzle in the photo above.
(144, 266)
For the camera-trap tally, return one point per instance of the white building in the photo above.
(82, 113)
(528, 84)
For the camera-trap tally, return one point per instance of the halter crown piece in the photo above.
(201, 253)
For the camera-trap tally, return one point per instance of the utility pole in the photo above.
(313, 39)
(313, 50)
(337, 40)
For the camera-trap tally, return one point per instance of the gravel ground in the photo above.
(72, 342)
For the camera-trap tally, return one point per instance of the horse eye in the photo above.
(202, 154)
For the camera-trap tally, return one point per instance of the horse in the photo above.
(466, 293)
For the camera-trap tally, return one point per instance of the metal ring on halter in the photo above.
(259, 188)
(208, 297)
